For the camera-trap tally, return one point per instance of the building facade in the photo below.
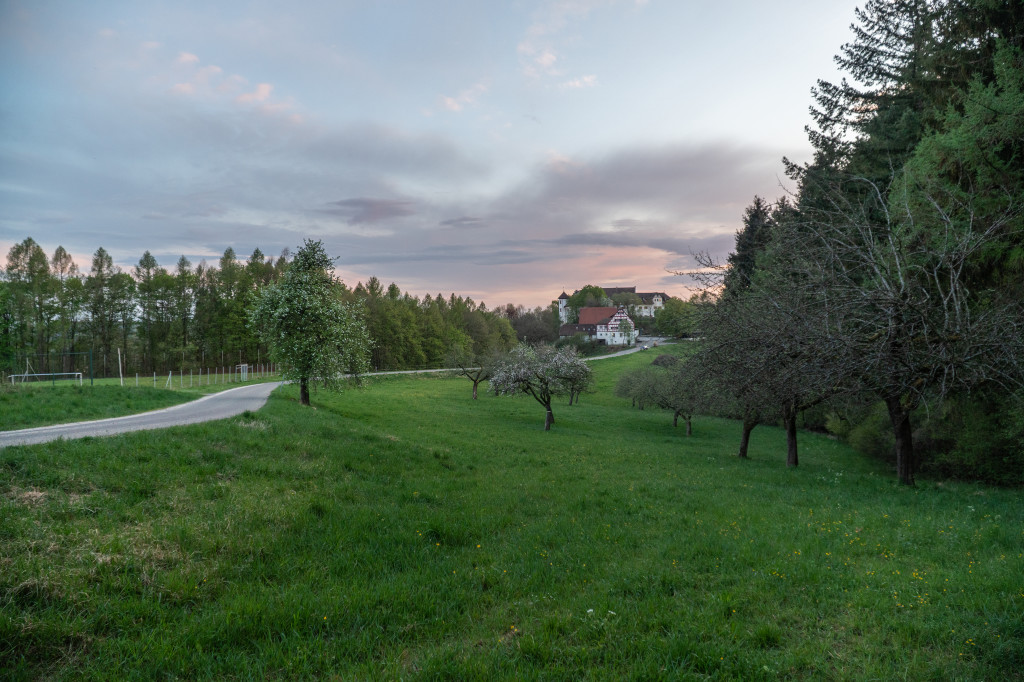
(609, 325)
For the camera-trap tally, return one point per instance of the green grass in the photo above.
(406, 531)
(25, 406)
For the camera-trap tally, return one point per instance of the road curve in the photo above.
(208, 408)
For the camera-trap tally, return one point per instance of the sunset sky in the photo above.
(502, 150)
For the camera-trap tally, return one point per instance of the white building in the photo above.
(605, 325)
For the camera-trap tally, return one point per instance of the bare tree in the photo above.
(887, 270)
(475, 367)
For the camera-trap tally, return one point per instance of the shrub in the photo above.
(975, 438)
(665, 360)
(872, 434)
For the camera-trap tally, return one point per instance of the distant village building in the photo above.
(649, 302)
(603, 324)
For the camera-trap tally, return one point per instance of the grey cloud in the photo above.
(373, 147)
(696, 196)
(362, 210)
(461, 222)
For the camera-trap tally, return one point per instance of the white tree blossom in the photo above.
(542, 372)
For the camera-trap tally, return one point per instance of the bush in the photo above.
(872, 433)
(976, 438)
(582, 345)
(665, 360)
(816, 418)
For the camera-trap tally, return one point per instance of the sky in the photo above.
(504, 150)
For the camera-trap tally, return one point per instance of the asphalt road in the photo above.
(214, 406)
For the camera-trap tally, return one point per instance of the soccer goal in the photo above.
(51, 377)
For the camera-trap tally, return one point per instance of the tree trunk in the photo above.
(675, 419)
(899, 416)
(689, 425)
(749, 422)
(304, 391)
(549, 419)
(789, 419)
(476, 382)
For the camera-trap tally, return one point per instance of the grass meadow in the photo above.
(405, 531)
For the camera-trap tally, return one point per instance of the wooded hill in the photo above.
(883, 298)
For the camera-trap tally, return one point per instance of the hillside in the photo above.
(404, 530)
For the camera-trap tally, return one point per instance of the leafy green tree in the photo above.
(535, 326)
(676, 318)
(100, 305)
(587, 297)
(7, 329)
(146, 272)
(123, 302)
(307, 327)
(182, 301)
(33, 290)
(68, 303)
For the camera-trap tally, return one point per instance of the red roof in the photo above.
(596, 315)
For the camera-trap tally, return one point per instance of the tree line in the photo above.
(54, 313)
(882, 298)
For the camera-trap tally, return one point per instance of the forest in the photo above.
(52, 314)
(882, 298)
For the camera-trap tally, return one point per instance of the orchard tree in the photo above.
(307, 327)
(477, 367)
(542, 372)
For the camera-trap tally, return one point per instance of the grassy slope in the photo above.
(24, 406)
(406, 531)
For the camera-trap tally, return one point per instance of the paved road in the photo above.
(640, 346)
(209, 407)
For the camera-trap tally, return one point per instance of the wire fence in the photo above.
(80, 368)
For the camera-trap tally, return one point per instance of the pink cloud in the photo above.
(582, 82)
(465, 98)
(187, 58)
(260, 94)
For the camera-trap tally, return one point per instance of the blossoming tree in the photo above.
(542, 372)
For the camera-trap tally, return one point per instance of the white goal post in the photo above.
(48, 375)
